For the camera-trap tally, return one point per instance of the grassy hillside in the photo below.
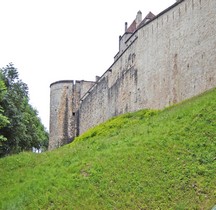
(144, 160)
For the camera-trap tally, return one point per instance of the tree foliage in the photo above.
(22, 128)
(3, 119)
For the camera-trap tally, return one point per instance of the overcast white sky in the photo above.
(50, 40)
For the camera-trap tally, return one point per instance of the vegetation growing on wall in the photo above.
(20, 127)
(143, 160)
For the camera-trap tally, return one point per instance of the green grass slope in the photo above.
(144, 160)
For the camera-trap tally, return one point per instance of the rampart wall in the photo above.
(169, 59)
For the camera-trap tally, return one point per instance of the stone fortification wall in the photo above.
(81, 88)
(60, 113)
(64, 115)
(168, 60)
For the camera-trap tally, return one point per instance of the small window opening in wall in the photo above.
(74, 113)
(188, 66)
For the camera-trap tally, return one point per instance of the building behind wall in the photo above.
(162, 60)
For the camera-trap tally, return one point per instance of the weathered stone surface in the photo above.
(64, 115)
(169, 59)
(172, 59)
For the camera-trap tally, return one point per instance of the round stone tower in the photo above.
(62, 113)
(65, 98)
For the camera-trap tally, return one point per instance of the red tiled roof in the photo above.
(148, 17)
(132, 27)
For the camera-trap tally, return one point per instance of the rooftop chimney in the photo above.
(126, 26)
(138, 18)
